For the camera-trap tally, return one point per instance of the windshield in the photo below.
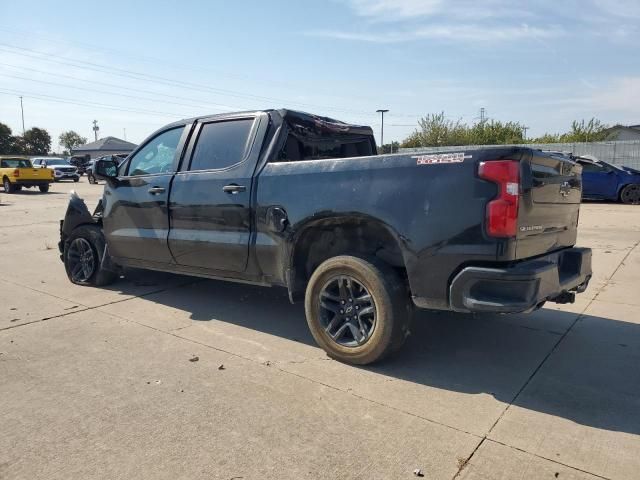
(57, 161)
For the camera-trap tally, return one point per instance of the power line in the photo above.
(158, 79)
(93, 90)
(155, 60)
(69, 101)
(81, 64)
(119, 87)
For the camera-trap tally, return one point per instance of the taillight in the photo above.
(16, 173)
(502, 212)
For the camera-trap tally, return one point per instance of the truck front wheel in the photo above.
(83, 253)
(357, 309)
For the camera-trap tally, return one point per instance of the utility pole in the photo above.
(95, 129)
(382, 112)
(22, 111)
(482, 115)
(124, 131)
(525, 132)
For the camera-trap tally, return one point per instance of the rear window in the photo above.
(15, 163)
(320, 147)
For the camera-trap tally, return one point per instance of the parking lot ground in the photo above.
(166, 376)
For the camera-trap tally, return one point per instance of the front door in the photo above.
(210, 201)
(598, 180)
(136, 214)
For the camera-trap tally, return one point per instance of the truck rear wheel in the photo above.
(83, 252)
(44, 188)
(357, 309)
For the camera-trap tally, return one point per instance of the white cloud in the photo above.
(394, 10)
(446, 32)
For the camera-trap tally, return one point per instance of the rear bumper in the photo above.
(33, 182)
(522, 286)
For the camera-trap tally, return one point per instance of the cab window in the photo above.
(158, 155)
(221, 144)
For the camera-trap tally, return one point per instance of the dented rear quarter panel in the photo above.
(435, 212)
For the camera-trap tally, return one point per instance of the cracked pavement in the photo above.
(98, 383)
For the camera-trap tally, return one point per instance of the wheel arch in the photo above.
(330, 236)
(622, 186)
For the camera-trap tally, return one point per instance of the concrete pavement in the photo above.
(101, 383)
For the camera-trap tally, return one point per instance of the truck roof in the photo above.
(295, 117)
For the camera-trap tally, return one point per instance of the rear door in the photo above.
(136, 213)
(210, 200)
(549, 206)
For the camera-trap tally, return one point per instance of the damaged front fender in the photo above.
(77, 214)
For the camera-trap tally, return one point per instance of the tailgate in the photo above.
(549, 205)
(35, 174)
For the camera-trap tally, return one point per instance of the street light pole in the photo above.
(382, 112)
(22, 111)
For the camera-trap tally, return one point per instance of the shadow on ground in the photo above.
(592, 378)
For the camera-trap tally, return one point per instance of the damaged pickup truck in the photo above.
(283, 198)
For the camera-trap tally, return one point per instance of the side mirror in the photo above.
(104, 169)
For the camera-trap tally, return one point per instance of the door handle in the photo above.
(233, 188)
(156, 190)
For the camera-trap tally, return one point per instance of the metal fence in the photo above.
(619, 153)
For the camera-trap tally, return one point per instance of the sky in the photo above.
(136, 65)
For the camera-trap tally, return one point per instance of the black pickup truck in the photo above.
(284, 198)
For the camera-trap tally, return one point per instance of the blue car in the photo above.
(603, 181)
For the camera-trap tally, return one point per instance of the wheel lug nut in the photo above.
(342, 302)
(357, 307)
(351, 299)
(341, 311)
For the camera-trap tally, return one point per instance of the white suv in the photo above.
(62, 170)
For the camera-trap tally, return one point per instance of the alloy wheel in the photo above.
(631, 194)
(347, 311)
(81, 260)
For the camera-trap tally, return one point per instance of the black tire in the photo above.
(76, 179)
(17, 188)
(7, 185)
(630, 194)
(44, 188)
(86, 242)
(91, 178)
(368, 340)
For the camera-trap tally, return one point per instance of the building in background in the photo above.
(622, 133)
(103, 146)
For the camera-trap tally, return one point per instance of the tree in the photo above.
(69, 140)
(592, 131)
(436, 130)
(6, 139)
(581, 131)
(37, 141)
